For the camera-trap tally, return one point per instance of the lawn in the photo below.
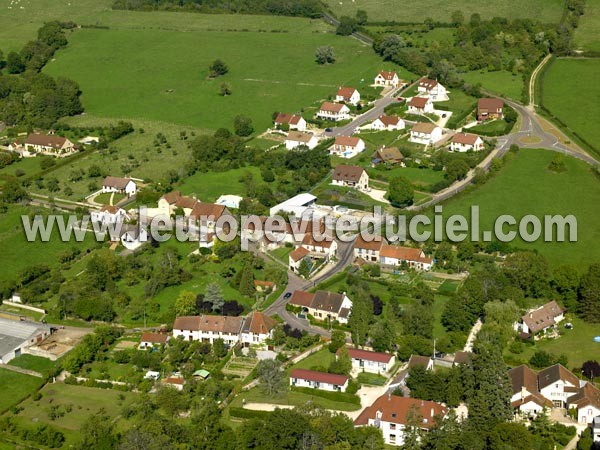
(441, 10)
(106, 197)
(36, 363)
(418, 177)
(210, 186)
(282, 254)
(500, 82)
(570, 92)
(15, 387)
(322, 359)
(586, 35)
(490, 126)
(525, 186)
(154, 75)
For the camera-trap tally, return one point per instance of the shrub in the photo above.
(343, 397)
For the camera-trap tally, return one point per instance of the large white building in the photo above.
(16, 336)
(425, 133)
(318, 380)
(297, 139)
(296, 205)
(370, 361)
(208, 328)
(433, 89)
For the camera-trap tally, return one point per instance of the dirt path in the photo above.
(532, 79)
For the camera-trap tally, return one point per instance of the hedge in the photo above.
(242, 413)
(455, 119)
(342, 397)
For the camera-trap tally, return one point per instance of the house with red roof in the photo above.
(109, 214)
(347, 146)
(368, 250)
(347, 95)
(119, 185)
(393, 256)
(257, 328)
(350, 176)
(323, 305)
(333, 111)
(420, 105)
(464, 142)
(370, 361)
(587, 403)
(293, 121)
(393, 415)
(318, 380)
(387, 123)
(150, 340)
(386, 78)
(49, 144)
(432, 89)
(489, 109)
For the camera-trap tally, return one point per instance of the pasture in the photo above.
(500, 82)
(147, 70)
(586, 35)
(570, 91)
(526, 186)
(15, 387)
(441, 10)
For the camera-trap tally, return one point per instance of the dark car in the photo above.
(287, 295)
(328, 130)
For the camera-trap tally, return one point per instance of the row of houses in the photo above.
(391, 256)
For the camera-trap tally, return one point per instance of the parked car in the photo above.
(328, 130)
(287, 295)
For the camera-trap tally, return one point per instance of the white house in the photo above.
(370, 361)
(587, 403)
(433, 89)
(596, 429)
(323, 305)
(109, 214)
(207, 328)
(120, 185)
(347, 95)
(392, 256)
(333, 111)
(541, 320)
(526, 399)
(293, 121)
(392, 415)
(420, 105)
(347, 146)
(350, 176)
(368, 250)
(464, 142)
(425, 133)
(320, 247)
(296, 257)
(385, 78)
(150, 340)
(257, 329)
(387, 123)
(557, 384)
(318, 380)
(49, 144)
(174, 383)
(296, 139)
(16, 337)
(132, 237)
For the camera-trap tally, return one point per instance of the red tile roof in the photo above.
(345, 92)
(426, 128)
(490, 104)
(523, 376)
(212, 211)
(368, 245)
(320, 377)
(258, 323)
(298, 254)
(45, 140)
(387, 75)
(368, 355)
(465, 138)
(389, 120)
(348, 141)
(587, 395)
(332, 107)
(116, 182)
(348, 173)
(172, 197)
(301, 298)
(403, 253)
(155, 338)
(291, 119)
(542, 317)
(395, 409)
(224, 324)
(418, 102)
(427, 83)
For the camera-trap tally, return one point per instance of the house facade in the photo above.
(392, 415)
(557, 384)
(119, 185)
(370, 361)
(432, 89)
(350, 176)
(49, 144)
(587, 403)
(323, 305)
(385, 78)
(526, 399)
(387, 123)
(540, 321)
(393, 256)
(207, 328)
(133, 237)
(368, 250)
(420, 105)
(318, 380)
(490, 109)
(333, 111)
(109, 214)
(464, 142)
(293, 121)
(347, 95)
(347, 146)
(425, 133)
(257, 328)
(296, 139)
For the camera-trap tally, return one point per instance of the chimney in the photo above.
(432, 412)
(531, 315)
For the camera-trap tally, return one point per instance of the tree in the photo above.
(97, 432)
(12, 192)
(400, 192)
(458, 17)
(589, 294)
(214, 296)
(305, 268)
(591, 369)
(359, 321)
(457, 169)
(14, 63)
(242, 125)
(247, 281)
(346, 27)
(383, 336)
(413, 432)
(338, 339)
(565, 281)
(325, 55)
(271, 376)
(185, 304)
(510, 435)
(541, 359)
(361, 17)
(224, 90)
(217, 68)
(342, 364)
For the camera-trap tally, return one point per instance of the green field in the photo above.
(15, 387)
(500, 82)
(441, 10)
(570, 92)
(526, 186)
(210, 186)
(36, 363)
(154, 74)
(586, 35)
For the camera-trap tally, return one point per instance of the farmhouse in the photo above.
(387, 155)
(119, 185)
(208, 328)
(16, 336)
(257, 328)
(370, 361)
(392, 415)
(296, 205)
(347, 146)
(393, 256)
(293, 121)
(425, 133)
(463, 142)
(587, 403)
(420, 105)
(350, 176)
(296, 257)
(387, 123)
(297, 139)
(323, 305)
(49, 144)
(433, 89)
(318, 380)
(150, 340)
(526, 398)
(347, 95)
(540, 321)
(333, 111)
(368, 250)
(489, 108)
(556, 383)
(385, 78)
(109, 214)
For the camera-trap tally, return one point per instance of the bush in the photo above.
(343, 397)
(242, 413)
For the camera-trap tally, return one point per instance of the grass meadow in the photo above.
(526, 186)
(15, 387)
(441, 10)
(500, 82)
(570, 92)
(586, 35)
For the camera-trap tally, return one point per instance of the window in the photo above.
(392, 426)
(392, 438)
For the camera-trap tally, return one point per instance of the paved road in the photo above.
(345, 252)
